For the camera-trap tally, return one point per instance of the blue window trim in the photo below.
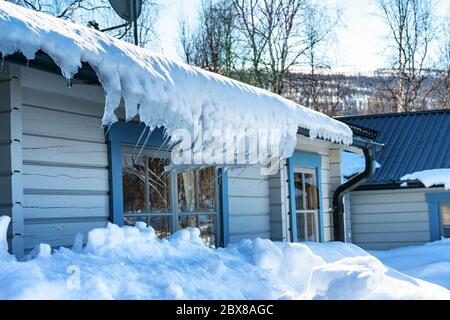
(131, 133)
(304, 159)
(434, 200)
(224, 208)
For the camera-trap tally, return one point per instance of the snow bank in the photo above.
(131, 263)
(433, 177)
(161, 91)
(430, 262)
(4, 222)
(353, 163)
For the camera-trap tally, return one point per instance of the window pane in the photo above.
(444, 212)
(306, 226)
(298, 186)
(207, 189)
(301, 226)
(311, 226)
(159, 185)
(133, 184)
(185, 221)
(161, 224)
(311, 192)
(205, 223)
(186, 191)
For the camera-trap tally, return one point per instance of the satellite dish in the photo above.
(125, 8)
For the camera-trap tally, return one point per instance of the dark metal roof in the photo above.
(415, 141)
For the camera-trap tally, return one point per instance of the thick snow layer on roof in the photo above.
(432, 177)
(130, 263)
(161, 91)
(353, 163)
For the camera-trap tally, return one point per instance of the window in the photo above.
(168, 201)
(444, 213)
(439, 215)
(306, 203)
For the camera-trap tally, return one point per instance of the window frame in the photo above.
(435, 200)
(314, 162)
(307, 212)
(132, 133)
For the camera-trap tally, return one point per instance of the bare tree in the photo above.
(100, 12)
(64, 9)
(411, 32)
(272, 31)
(444, 66)
(210, 44)
(319, 32)
(186, 41)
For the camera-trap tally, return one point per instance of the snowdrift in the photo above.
(130, 263)
(161, 91)
(430, 262)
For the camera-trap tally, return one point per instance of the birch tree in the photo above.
(411, 31)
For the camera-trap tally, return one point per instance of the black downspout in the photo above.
(356, 181)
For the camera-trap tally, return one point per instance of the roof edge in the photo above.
(392, 114)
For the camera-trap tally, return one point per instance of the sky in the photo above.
(360, 43)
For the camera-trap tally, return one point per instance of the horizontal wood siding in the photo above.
(383, 219)
(279, 204)
(249, 204)
(65, 161)
(11, 196)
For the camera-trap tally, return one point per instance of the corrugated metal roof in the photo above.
(415, 141)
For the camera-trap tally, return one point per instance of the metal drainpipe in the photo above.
(356, 181)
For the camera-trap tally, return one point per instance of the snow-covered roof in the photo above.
(414, 141)
(429, 178)
(161, 91)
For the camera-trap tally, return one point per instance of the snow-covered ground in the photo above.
(130, 263)
(430, 262)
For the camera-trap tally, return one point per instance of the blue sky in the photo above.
(360, 44)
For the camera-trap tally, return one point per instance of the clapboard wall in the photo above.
(65, 161)
(10, 154)
(249, 206)
(279, 204)
(384, 219)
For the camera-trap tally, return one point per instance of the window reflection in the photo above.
(159, 181)
(197, 190)
(207, 189)
(205, 223)
(298, 185)
(444, 212)
(147, 190)
(307, 203)
(133, 184)
(311, 192)
(186, 192)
